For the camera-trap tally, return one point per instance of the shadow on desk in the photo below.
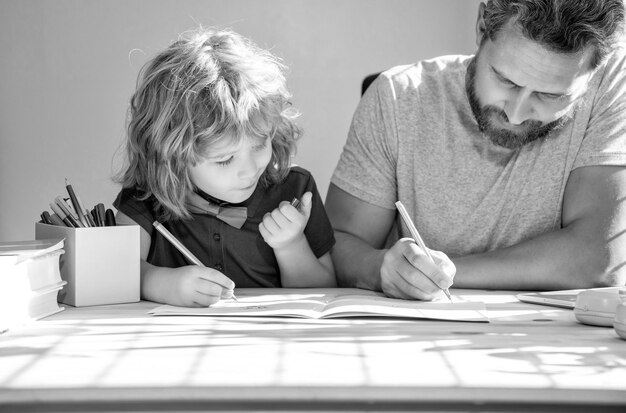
(118, 358)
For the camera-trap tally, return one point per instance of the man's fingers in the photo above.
(419, 260)
(415, 283)
(445, 264)
(407, 272)
(396, 285)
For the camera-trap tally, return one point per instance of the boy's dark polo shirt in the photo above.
(241, 254)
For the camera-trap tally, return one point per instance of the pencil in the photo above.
(295, 203)
(67, 219)
(75, 200)
(180, 247)
(417, 238)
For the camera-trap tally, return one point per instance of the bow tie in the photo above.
(233, 216)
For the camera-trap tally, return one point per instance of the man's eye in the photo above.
(550, 98)
(507, 83)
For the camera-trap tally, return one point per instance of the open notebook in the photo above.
(317, 305)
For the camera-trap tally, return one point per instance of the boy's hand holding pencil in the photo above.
(284, 226)
(195, 286)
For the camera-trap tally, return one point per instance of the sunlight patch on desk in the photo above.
(112, 347)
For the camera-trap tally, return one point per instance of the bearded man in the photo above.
(511, 162)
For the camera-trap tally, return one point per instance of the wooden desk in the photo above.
(118, 358)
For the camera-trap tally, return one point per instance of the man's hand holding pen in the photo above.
(412, 270)
(407, 272)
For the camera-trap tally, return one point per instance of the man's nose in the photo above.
(518, 108)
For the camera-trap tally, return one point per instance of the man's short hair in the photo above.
(563, 26)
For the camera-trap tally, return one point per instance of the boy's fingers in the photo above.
(209, 288)
(264, 232)
(307, 202)
(228, 294)
(279, 218)
(307, 199)
(270, 224)
(218, 278)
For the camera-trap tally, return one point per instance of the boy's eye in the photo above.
(225, 161)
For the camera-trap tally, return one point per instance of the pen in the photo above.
(94, 215)
(89, 219)
(295, 203)
(76, 204)
(180, 247)
(60, 202)
(51, 219)
(417, 238)
(109, 218)
(67, 219)
(45, 218)
(84, 212)
(67, 206)
(56, 220)
(101, 213)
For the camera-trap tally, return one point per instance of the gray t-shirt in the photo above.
(413, 138)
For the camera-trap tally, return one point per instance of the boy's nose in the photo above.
(249, 169)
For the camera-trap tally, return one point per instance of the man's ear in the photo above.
(480, 24)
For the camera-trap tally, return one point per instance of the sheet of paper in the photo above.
(353, 305)
(329, 305)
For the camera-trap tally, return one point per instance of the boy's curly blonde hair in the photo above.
(207, 86)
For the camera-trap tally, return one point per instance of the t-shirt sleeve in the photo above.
(367, 165)
(127, 202)
(319, 232)
(605, 138)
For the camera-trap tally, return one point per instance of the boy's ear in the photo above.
(480, 24)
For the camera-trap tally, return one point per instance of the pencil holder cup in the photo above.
(100, 264)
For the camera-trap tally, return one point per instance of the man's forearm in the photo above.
(357, 264)
(564, 259)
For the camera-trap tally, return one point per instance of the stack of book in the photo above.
(30, 280)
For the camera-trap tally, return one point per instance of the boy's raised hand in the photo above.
(285, 225)
(199, 286)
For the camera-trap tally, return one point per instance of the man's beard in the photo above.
(530, 130)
